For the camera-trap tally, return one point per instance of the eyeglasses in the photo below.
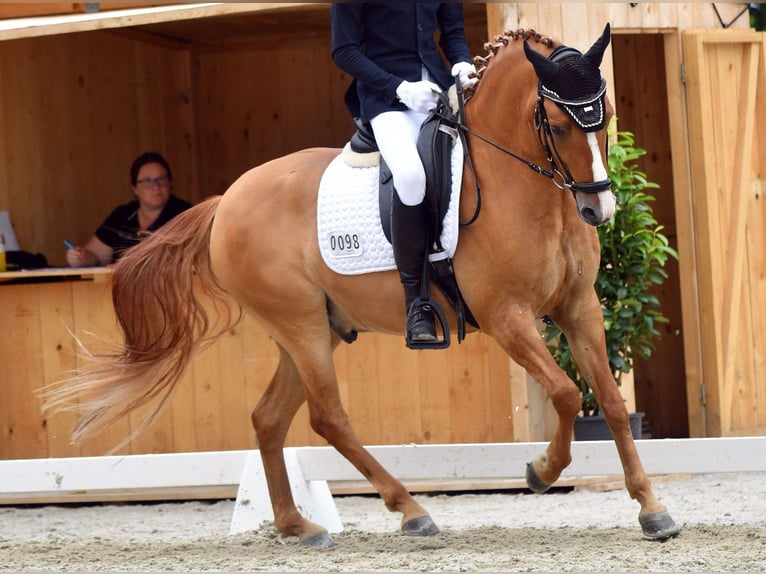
(162, 181)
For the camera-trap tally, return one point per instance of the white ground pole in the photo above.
(310, 469)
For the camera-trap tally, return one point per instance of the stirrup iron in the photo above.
(428, 305)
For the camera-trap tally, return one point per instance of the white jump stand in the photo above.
(253, 506)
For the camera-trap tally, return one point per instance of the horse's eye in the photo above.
(558, 131)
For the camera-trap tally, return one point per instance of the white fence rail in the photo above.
(311, 468)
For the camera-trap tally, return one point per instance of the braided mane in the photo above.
(500, 41)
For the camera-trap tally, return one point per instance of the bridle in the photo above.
(558, 171)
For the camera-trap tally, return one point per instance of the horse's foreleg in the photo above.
(271, 420)
(589, 350)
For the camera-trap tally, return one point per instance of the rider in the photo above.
(389, 50)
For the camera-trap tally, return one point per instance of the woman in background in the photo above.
(151, 182)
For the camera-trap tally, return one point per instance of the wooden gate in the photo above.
(725, 229)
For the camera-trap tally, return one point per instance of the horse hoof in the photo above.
(420, 526)
(321, 540)
(658, 525)
(534, 482)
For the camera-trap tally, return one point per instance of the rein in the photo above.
(544, 135)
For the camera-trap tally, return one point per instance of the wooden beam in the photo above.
(15, 28)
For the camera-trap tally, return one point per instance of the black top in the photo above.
(120, 230)
(382, 44)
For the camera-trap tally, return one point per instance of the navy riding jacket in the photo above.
(382, 44)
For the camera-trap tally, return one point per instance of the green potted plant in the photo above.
(633, 256)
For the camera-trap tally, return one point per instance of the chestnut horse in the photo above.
(532, 250)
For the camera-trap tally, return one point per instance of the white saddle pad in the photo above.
(349, 230)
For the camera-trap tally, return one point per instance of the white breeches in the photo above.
(397, 136)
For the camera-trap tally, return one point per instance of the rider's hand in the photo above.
(464, 70)
(419, 96)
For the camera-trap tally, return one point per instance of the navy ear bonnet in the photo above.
(577, 88)
(573, 81)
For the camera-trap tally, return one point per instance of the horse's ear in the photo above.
(544, 68)
(596, 52)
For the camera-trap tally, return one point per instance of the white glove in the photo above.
(464, 69)
(419, 96)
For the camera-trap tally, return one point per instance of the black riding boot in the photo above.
(409, 239)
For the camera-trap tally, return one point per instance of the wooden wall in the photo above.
(81, 107)
(29, 9)
(391, 395)
(215, 109)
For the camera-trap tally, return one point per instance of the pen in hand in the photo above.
(74, 248)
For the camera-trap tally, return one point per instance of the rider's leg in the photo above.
(396, 134)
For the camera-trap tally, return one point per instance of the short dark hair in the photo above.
(143, 159)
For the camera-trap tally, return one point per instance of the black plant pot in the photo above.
(595, 427)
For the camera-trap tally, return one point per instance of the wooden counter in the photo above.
(56, 274)
(392, 395)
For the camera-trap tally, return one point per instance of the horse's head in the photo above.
(571, 117)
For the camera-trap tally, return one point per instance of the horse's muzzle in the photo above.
(595, 208)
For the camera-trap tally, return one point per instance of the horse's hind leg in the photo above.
(271, 419)
(313, 359)
(329, 420)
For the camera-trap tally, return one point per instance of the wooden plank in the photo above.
(236, 425)
(526, 17)
(501, 17)
(757, 237)
(469, 393)
(23, 431)
(502, 369)
(17, 28)
(95, 326)
(435, 397)
(356, 364)
(549, 19)
(703, 161)
(27, 9)
(208, 413)
(31, 275)
(58, 349)
(398, 370)
(730, 74)
(686, 238)
(741, 202)
(520, 407)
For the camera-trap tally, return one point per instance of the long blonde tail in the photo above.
(156, 289)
